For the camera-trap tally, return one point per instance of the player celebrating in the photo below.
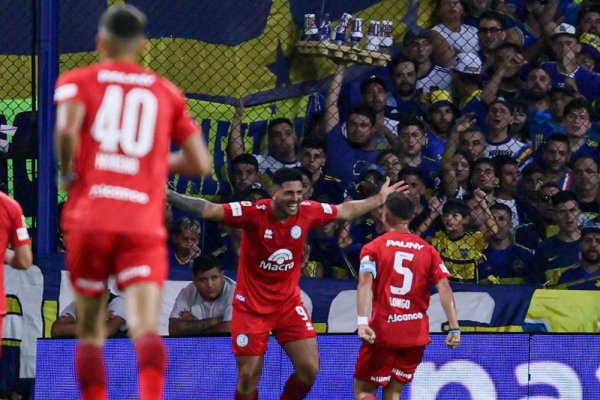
(114, 124)
(398, 267)
(267, 296)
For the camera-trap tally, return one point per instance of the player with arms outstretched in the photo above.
(115, 122)
(267, 296)
(398, 268)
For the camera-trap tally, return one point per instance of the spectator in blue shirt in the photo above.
(586, 276)
(440, 117)
(413, 140)
(405, 100)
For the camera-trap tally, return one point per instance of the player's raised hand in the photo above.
(387, 189)
(366, 334)
(453, 340)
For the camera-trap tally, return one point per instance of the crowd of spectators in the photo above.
(490, 115)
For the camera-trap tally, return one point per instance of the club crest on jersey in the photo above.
(296, 232)
(242, 340)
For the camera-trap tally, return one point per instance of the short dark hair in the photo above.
(579, 104)
(283, 175)
(399, 59)
(313, 142)
(124, 22)
(304, 171)
(365, 111)
(384, 153)
(558, 137)
(412, 121)
(489, 161)
(496, 16)
(563, 196)
(502, 160)
(205, 262)
(456, 206)
(245, 158)
(502, 207)
(400, 206)
(409, 170)
(185, 223)
(531, 169)
(277, 121)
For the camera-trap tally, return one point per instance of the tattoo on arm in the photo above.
(194, 205)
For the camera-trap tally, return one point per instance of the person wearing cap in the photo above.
(440, 117)
(413, 140)
(417, 46)
(405, 100)
(560, 252)
(498, 140)
(466, 87)
(373, 95)
(585, 275)
(565, 46)
(589, 56)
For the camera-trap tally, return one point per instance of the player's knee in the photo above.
(248, 378)
(307, 371)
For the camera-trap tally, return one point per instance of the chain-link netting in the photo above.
(485, 109)
(18, 114)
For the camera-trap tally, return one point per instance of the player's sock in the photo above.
(251, 396)
(89, 364)
(295, 389)
(152, 359)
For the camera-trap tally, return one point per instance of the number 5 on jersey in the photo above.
(126, 121)
(399, 267)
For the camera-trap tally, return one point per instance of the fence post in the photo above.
(48, 72)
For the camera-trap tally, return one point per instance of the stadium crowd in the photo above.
(490, 116)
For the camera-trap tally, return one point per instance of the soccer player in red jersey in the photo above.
(114, 125)
(397, 267)
(14, 232)
(267, 296)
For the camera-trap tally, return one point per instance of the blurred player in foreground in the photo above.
(114, 126)
(267, 296)
(398, 267)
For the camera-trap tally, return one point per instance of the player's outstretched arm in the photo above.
(195, 205)
(363, 302)
(192, 159)
(353, 209)
(449, 306)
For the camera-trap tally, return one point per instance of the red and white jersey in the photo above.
(271, 251)
(403, 266)
(13, 231)
(131, 115)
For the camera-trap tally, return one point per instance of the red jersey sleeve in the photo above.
(321, 213)
(238, 214)
(18, 231)
(184, 125)
(438, 270)
(69, 87)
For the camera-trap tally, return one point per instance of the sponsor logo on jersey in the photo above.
(119, 193)
(403, 244)
(400, 303)
(240, 297)
(90, 284)
(296, 232)
(404, 317)
(381, 379)
(280, 260)
(246, 203)
(268, 234)
(139, 271)
(401, 373)
(327, 208)
(242, 340)
(236, 209)
(22, 233)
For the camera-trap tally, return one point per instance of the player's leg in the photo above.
(89, 361)
(364, 390)
(305, 358)
(143, 307)
(249, 370)
(393, 390)
(141, 270)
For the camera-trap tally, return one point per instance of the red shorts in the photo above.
(378, 365)
(92, 257)
(250, 332)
